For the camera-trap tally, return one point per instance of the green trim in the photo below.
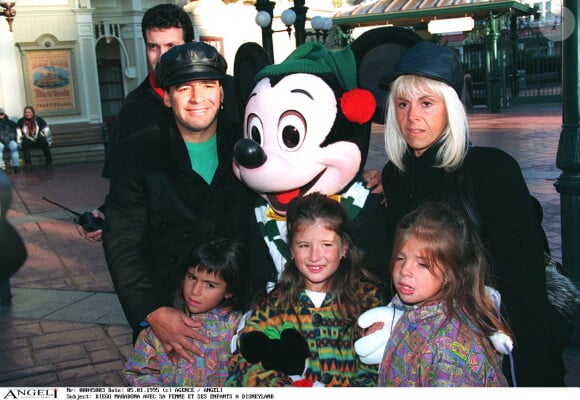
(273, 333)
(482, 10)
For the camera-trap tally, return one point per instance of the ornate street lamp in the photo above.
(293, 16)
(567, 158)
(7, 9)
(264, 19)
(321, 26)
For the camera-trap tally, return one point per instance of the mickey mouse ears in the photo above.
(376, 52)
(250, 58)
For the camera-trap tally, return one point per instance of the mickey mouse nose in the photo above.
(249, 154)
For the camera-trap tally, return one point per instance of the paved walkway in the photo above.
(66, 327)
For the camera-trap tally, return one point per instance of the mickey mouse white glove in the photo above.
(371, 348)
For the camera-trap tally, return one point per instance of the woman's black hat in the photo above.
(431, 61)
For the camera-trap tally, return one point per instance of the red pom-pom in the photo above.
(358, 105)
(303, 383)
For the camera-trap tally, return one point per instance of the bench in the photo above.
(77, 142)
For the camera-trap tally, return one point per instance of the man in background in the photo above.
(142, 114)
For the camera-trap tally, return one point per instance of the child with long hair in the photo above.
(212, 292)
(439, 270)
(321, 293)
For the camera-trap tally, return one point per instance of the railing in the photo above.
(529, 70)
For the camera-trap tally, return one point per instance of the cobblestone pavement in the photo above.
(66, 327)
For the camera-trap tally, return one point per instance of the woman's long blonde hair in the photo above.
(455, 139)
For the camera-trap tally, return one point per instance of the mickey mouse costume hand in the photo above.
(370, 348)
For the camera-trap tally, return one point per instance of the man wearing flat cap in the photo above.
(174, 193)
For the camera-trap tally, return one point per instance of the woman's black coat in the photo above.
(513, 238)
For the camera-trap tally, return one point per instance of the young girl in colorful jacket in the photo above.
(321, 293)
(211, 293)
(442, 338)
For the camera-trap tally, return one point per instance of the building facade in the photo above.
(76, 60)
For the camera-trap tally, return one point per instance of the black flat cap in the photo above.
(189, 62)
(431, 61)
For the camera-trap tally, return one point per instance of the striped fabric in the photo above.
(274, 229)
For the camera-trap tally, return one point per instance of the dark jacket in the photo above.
(513, 239)
(7, 131)
(12, 247)
(142, 115)
(157, 208)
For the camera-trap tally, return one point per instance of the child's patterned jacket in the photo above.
(427, 348)
(149, 365)
(333, 361)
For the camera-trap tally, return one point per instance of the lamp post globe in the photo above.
(327, 23)
(263, 19)
(317, 23)
(288, 17)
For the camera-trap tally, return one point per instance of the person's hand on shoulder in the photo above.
(97, 235)
(372, 178)
(175, 330)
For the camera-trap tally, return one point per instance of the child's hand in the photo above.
(377, 326)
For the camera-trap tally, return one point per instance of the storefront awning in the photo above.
(414, 12)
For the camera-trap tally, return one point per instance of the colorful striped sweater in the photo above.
(427, 349)
(333, 361)
(149, 365)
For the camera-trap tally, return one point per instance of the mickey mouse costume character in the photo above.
(306, 129)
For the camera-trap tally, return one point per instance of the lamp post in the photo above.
(568, 157)
(493, 79)
(321, 26)
(299, 25)
(293, 16)
(9, 12)
(264, 19)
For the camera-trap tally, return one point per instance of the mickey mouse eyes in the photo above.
(254, 128)
(290, 136)
(292, 130)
